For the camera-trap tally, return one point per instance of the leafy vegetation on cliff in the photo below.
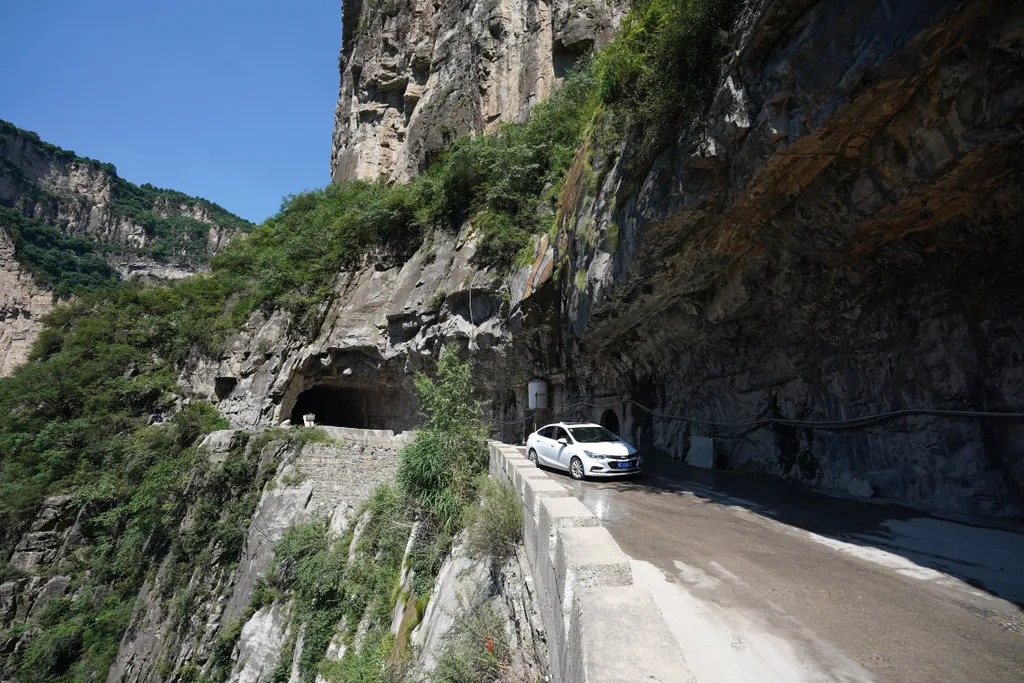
(133, 484)
(75, 418)
(662, 62)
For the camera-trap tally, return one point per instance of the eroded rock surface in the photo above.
(834, 237)
(81, 197)
(415, 74)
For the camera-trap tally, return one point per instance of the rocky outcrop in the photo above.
(55, 188)
(380, 326)
(22, 305)
(415, 73)
(37, 562)
(329, 479)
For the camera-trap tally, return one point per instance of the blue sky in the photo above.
(229, 100)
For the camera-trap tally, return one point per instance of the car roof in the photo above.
(571, 424)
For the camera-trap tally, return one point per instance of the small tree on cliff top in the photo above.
(437, 470)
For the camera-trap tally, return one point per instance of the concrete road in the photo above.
(764, 581)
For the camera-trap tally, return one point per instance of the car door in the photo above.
(560, 452)
(544, 445)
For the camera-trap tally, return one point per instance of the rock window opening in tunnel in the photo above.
(350, 407)
(610, 421)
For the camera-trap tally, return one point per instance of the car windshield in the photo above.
(592, 434)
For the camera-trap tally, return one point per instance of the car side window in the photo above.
(546, 432)
(560, 434)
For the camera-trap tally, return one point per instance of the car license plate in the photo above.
(624, 465)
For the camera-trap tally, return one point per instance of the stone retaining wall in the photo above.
(347, 470)
(601, 627)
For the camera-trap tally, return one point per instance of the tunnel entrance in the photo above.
(610, 421)
(352, 407)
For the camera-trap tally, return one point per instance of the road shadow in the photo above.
(989, 557)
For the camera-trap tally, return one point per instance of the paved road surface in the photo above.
(764, 581)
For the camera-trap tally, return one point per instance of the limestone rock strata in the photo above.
(379, 327)
(77, 195)
(417, 73)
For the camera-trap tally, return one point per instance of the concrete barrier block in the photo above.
(589, 557)
(562, 513)
(521, 474)
(617, 635)
(512, 450)
(537, 489)
(513, 464)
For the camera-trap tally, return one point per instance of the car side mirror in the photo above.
(563, 441)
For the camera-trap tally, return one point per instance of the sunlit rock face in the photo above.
(22, 305)
(417, 73)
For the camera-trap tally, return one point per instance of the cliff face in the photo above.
(138, 232)
(415, 74)
(22, 304)
(830, 237)
(84, 197)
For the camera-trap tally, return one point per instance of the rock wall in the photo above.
(416, 73)
(830, 238)
(22, 305)
(80, 197)
(824, 239)
(380, 325)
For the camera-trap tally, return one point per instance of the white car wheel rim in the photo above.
(577, 469)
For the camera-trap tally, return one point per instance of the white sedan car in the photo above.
(583, 450)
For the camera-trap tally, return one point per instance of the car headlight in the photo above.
(595, 456)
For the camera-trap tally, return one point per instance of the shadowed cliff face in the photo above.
(415, 74)
(833, 238)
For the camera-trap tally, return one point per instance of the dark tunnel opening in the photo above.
(351, 407)
(610, 421)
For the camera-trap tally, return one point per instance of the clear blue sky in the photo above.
(229, 100)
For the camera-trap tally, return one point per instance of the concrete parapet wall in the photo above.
(601, 627)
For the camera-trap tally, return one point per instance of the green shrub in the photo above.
(438, 469)
(663, 61)
(67, 263)
(495, 527)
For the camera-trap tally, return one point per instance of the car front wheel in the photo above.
(576, 468)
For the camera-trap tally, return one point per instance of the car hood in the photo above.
(609, 448)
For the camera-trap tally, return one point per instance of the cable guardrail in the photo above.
(827, 425)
